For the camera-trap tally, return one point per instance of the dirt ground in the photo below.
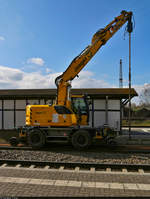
(5, 135)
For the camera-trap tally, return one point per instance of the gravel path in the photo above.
(73, 156)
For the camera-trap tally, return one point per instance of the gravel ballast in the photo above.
(76, 156)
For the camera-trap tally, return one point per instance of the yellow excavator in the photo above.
(67, 118)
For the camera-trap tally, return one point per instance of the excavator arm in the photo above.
(63, 82)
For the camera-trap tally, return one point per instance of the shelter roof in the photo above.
(96, 93)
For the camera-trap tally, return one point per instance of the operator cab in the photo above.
(80, 108)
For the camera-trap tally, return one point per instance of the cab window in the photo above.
(79, 105)
(62, 110)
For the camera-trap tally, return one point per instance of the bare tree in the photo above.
(144, 95)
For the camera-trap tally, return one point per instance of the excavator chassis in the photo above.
(80, 137)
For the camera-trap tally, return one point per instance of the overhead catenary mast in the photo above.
(129, 30)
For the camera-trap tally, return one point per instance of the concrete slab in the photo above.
(61, 183)
(130, 186)
(144, 186)
(88, 184)
(74, 183)
(102, 185)
(116, 186)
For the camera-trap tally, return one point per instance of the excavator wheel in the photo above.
(36, 138)
(81, 140)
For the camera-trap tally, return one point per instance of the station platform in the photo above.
(33, 182)
(138, 136)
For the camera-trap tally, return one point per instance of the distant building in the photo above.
(106, 106)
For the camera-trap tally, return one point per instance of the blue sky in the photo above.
(39, 39)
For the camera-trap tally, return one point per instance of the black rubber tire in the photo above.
(81, 140)
(13, 141)
(36, 138)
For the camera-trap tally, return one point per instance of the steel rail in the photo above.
(73, 165)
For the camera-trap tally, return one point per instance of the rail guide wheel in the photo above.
(13, 141)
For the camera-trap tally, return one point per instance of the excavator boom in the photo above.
(79, 62)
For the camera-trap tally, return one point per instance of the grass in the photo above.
(136, 123)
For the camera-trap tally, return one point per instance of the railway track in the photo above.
(76, 166)
(96, 148)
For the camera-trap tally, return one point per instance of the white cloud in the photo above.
(11, 78)
(37, 80)
(2, 38)
(18, 79)
(36, 60)
(48, 70)
(86, 80)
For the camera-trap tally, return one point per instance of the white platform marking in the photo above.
(71, 183)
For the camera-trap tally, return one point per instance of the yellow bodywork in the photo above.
(46, 115)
